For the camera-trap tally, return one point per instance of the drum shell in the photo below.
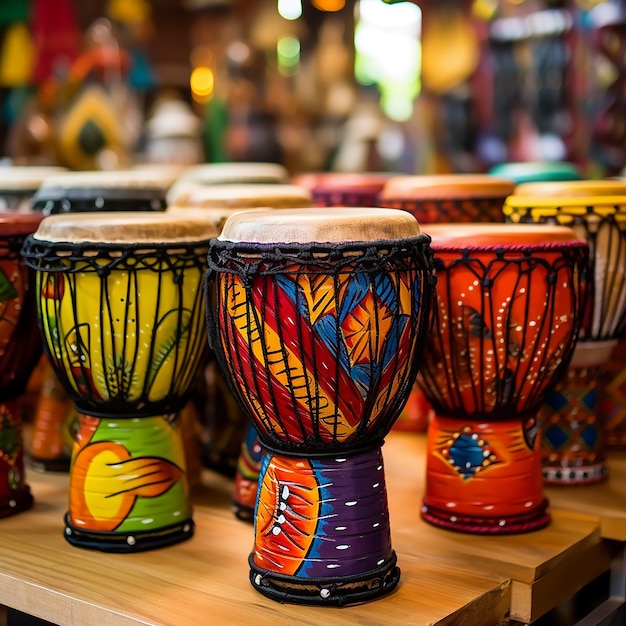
(117, 353)
(346, 383)
(501, 339)
(20, 347)
(448, 198)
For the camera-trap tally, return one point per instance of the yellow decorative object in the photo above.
(129, 11)
(90, 128)
(17, 56)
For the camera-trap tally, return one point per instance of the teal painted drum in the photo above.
(537, 171)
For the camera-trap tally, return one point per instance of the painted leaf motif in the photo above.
(366, 329)
(7, 290)
(319, 292)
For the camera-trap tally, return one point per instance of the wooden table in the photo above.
(447, 577)
(607, 501)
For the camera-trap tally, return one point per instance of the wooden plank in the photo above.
(545, 566)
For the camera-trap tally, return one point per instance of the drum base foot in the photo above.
(330, 591)
(17, 502)
(573, 476)
(128, 541)
(476, 525)
(243, 512)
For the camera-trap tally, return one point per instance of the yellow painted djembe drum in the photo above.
(20, 349)
(437, 199)
(507, 316)
(317, 319)
(573, 431)
(121, 312)
(55, 418)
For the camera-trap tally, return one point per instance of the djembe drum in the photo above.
(20, 349)
(121, 312)
(506, 320)
(240, 173)
(18, 184)
(448, 197)
(573, 432)
(317, 319)
(443, 198)
(55, 418)
(344, 189)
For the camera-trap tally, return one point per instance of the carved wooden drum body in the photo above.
(20, 349)
(506, 320)
(317, 318)
(122, 316)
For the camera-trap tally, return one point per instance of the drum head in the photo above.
(572, 189)
(244, 196)
(121, 227)
(327, 225)
(446, 187)
(497, 235)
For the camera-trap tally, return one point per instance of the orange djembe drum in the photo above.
(573, 429)
(317, 319)
(20, 349)
(506, 320)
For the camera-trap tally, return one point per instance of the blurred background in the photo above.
(316, 85)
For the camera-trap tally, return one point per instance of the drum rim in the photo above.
(447, 187)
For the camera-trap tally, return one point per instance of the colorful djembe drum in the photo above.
(20, 349)
(344, 189)
(318, 318)
(572, 430)
(55, 417)
(123, 190)
(240, 173)
(448, 197)
(121, 312)
(435, 199)
(507, 316)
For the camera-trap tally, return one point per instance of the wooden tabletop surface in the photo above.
(447, 577)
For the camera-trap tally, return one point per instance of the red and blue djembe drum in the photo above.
(121, 311)
(20, 349)
(318, 319)
(507, 316)
(572, 428)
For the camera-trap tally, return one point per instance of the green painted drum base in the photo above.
(327, 591)
(128, 541)
(18, 501)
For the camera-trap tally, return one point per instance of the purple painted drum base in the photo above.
(322, 533)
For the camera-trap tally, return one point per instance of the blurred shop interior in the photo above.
(318, 85)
